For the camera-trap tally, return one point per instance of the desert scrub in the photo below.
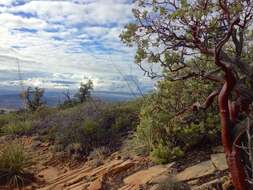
(6, 118)
(17, 127)
(162, 154)
(172, 184)
(18, 122)
(90, 125)
(13, 164)
(98, 155)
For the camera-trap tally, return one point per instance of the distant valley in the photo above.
(11, 99)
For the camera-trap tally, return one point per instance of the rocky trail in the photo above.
(117, 172)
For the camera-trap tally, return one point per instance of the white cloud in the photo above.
(11, 21)
(78, 37)
(72, 12)
(7, 2)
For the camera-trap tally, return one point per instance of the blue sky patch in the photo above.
(29, 30)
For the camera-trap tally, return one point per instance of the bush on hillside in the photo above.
(17, 127)
(165, 135)
(33, 98)
(15, 123)
(172, 184)
(84, 91)
(90, 125)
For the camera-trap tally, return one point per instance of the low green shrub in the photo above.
(18, 122)
(172, 184)
(13, 162)
(17, 127)
(162, 154)
(6, 118)
(167, 135)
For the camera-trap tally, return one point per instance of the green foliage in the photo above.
(6, 118)
(129, 33)
(33, 98)
(84, 91)
(172, 184)
(13, 162)
(151, 17)
(19, 122)
(17, 127)
(162, 154)
(167, 136)
(83, 95)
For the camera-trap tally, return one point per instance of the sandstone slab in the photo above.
(219, 161)
(200, 170)
(159, 179)
(144, 176)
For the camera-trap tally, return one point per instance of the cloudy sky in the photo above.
(58, 43)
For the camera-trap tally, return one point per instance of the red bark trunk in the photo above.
(232, 153)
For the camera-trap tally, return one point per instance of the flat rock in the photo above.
(219, 161)
(200, 170)
(159, 179)
(144, 176)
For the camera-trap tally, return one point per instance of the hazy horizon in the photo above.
(11, 99)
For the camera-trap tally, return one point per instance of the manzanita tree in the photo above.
(174, 33)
